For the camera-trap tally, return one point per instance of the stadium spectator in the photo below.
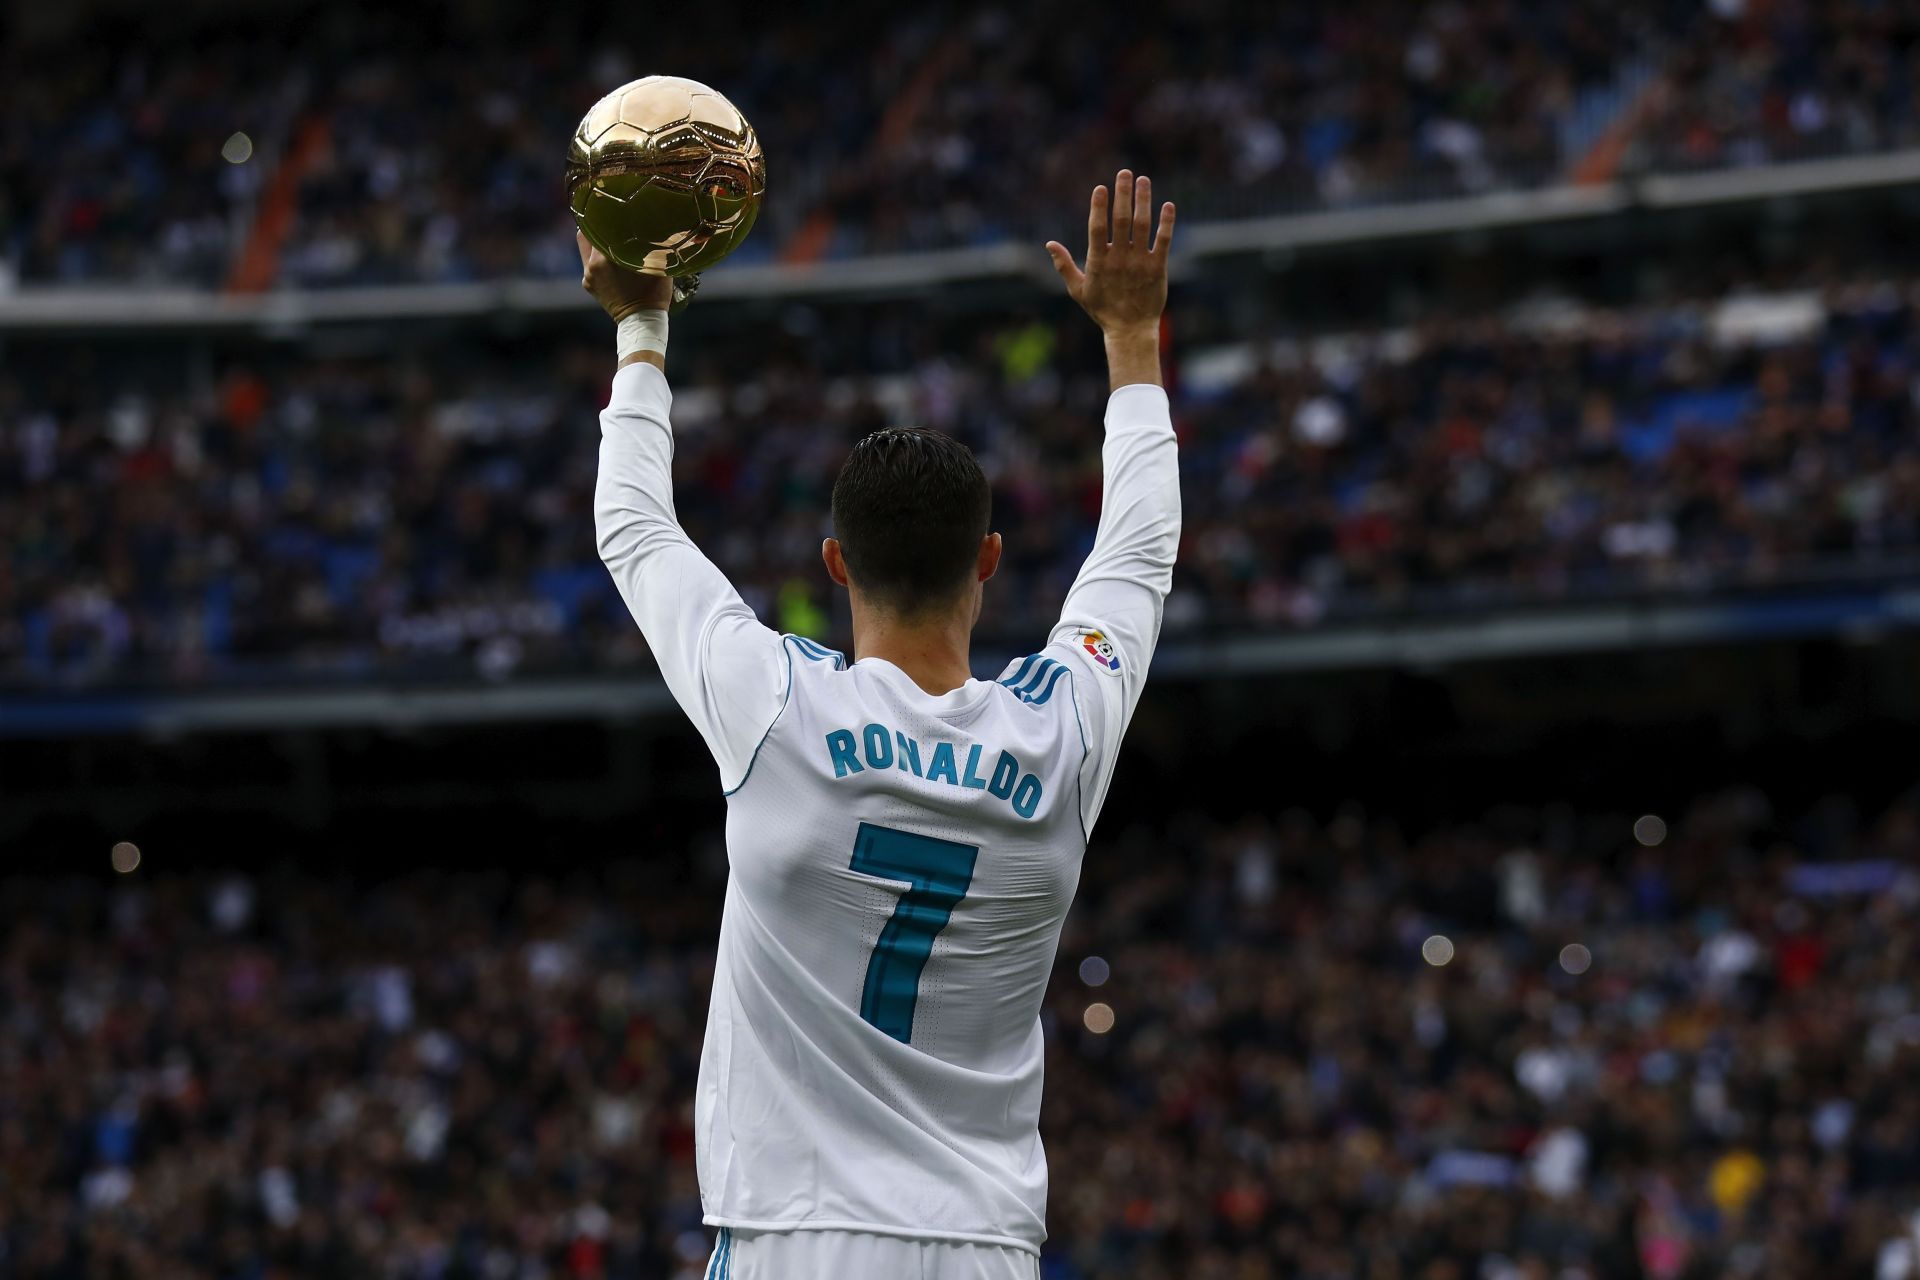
(337, 515)
(1681, 1060)
(418, 157)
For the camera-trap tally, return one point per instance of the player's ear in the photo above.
(836, 563)
(989, 555)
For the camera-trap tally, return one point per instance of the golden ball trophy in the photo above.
(665, 176)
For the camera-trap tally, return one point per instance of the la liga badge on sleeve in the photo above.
(1100, 649)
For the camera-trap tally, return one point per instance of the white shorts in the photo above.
(860, 1255)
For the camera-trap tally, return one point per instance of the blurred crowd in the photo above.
(432, 510)
(428, 145)
(1531, 1046)
(1763, 81)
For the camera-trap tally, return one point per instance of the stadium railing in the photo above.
(121, 307)
(1859, 608)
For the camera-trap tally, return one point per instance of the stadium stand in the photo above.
(350, 515)
(1673, 1059)
(1410, 1037)
(423, 146)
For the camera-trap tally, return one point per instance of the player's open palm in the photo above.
(620, 292)
(1124, 285)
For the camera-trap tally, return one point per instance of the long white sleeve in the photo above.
(727, 671)
(1111, 620)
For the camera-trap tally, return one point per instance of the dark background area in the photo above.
(1809, 722)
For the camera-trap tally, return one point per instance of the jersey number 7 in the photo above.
(939, 872)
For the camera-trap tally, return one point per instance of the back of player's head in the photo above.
(910, 507)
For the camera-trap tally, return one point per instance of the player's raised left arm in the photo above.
(1110, 622)
(724, 668)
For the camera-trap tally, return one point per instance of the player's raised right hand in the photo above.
(620, 292)
(1124, 286)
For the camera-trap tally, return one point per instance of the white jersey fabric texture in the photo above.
(861, 1255)
(900, 863)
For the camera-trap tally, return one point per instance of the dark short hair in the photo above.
(910, 507)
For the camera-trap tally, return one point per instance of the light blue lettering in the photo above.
(1004, 772)
(1026, 797)
(973, 778)
(879, 747)
(887, 748)
(840, 746)
(942, 767)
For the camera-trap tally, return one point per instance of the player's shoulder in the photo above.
(1037, 678)
(812, 655)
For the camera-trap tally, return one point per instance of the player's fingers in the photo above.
(1164, 237)
(586, 248)
(1097, 226)
(1142, 211)
(1123, 206)
(1063, 263)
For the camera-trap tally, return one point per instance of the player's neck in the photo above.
(933, 652)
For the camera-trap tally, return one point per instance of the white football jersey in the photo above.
(901, 863)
